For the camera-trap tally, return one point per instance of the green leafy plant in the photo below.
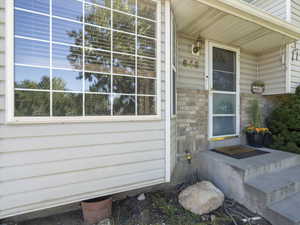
(258, 83)
(284, 123)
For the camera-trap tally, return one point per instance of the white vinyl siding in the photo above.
(272, 72)
(47, 165)
(276, 8)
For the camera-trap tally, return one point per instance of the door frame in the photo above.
(209, 86)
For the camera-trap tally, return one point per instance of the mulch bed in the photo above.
(159, 208)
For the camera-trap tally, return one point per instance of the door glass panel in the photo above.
(224, 60)
(224, 125)
(224, 79)
(223, 104)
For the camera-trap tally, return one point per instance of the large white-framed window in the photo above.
(173, 66)
(84, 60)
(224, 90)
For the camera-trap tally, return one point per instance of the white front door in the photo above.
(224, 91)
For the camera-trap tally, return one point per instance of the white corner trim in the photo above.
(9, 60)
(206, 66)
(168, 88)
(288, 68)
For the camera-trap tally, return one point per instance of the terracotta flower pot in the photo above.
(96, 210)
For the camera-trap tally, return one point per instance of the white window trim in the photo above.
(208, 64)
(173, 66)
(9, 77)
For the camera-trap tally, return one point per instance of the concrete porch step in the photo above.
(252, 167)
(276, 186)
(285, 212)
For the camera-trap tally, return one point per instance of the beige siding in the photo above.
(295, 64)
(273, 7)
(189, 76)
(248, 72)
(46, 165)
(194, 78)
(272, 72)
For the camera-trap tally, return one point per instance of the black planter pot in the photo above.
(267, 140)
(255, 139)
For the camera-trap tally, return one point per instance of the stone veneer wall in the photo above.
(192, 120)
(192, 126)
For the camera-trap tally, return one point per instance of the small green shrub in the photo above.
(255, 114)
(284, 123)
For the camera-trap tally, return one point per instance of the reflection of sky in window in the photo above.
(61, 31)
(60, 55)
(24, 73)
(71, 79)
(70, 9)
(32, 52)
(36, 5)
(31, 25)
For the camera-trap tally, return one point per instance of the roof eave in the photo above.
(252, 14)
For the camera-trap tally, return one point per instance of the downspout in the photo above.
(168, 89)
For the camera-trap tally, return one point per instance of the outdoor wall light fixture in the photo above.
(197, 46)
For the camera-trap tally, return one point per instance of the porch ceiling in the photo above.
(233, 22)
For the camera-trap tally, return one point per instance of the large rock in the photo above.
(201, 198)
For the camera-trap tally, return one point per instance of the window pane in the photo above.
(67, 32)
(124, 22)
(97, 82)
(124, 64)
(146, 67)
(223, 126)
(224, 60)
(97, 105)
(146, 47)
(146, 86)
(124, 105)
(68, 57)
(31, 25)
(224, 81)
(32, 78)
(124, 42)
(67, 80)
(96, 15)
(146, 105)
(124, 85)
(67, 104)
(35, 5)
(223, 104)
(146, 28)
(96, 37)
(71, 9)
(32, 52)
(97, 61)
(101, 2)
(32, 103)
(125, 5)
(147, 9)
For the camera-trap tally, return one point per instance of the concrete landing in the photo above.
(263, 183)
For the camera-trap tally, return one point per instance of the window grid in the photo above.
(83, 47)
(51, 61)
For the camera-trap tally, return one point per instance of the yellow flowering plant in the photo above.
(252, 129)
